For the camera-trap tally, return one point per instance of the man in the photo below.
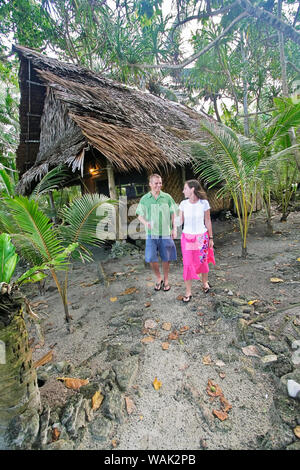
(157, 210)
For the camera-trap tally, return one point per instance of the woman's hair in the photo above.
(198, 190)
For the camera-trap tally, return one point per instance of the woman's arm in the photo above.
(208, 225)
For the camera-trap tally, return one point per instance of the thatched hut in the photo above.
(110, 135)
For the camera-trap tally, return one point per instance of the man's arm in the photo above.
(144, 221)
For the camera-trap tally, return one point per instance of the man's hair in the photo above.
(154, 175)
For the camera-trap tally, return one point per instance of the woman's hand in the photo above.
(211, 243)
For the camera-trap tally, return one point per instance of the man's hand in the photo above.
(174, 233)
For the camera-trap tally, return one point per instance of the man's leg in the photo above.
(166, 268)
(155, 269)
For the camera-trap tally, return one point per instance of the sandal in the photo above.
(188, 297)
(166, 288)
(159, 285)
(206, 289)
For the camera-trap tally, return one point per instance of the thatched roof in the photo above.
(66, 110)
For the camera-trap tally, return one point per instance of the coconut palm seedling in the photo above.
(18, 382)
(39, 241)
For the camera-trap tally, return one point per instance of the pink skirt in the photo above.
(196, 255)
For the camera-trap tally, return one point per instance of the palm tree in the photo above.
(18, 381)
(226, 158)
(239, 164)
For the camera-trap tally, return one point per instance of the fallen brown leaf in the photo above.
(130, 290)
(156, 384)
(220, 414)
(147, 339)
(147, 304)
(183, 329)
(225, 405)
(174, 335)
(206, 360)
(114, 443)
(166, 326)
(73, 383)
(55, 434)
(165, 346)
(97, 400)
(213, 390)
(44, 360)
(297, 431)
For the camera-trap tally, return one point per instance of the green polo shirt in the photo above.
(158, 212)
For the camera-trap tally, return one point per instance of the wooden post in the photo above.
(183, 173)
(111, 181)
(113, 194)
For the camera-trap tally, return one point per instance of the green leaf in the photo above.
(8, 258)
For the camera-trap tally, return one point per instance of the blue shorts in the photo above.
(162, 245)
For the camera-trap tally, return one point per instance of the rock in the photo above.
(282, 366)
(61, 444)
(126, 372)
(294, 446)
(116, 352)
(296, 358)
(296, 344)
(136, 349)
(268, 359)
(73, 417)
(101, 428)
(23, 430)
(44, 425)
(293, 389)
(295, 376)
(89, 390)
(113, 404)
(62, 366)
(239, 302)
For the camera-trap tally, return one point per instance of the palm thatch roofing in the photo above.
(67, 110)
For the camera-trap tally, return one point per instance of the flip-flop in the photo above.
(206, 289)
(188, 297)
(159, 285)
(166, 288)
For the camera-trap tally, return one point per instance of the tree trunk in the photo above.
(245, 89)
(285, 89)
(20, 397)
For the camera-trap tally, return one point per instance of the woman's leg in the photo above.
(188, 288)
(205, 281)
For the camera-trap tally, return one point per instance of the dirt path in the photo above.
(244, 350)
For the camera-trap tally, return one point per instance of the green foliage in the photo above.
(8, 258)
(47, 246)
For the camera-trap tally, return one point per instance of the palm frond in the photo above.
(8, 258)
(54, 179)
(282, 123)
(35, 226)
(80, 221)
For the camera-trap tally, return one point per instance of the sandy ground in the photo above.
(208, 346)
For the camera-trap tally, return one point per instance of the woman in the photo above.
(197, 238)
